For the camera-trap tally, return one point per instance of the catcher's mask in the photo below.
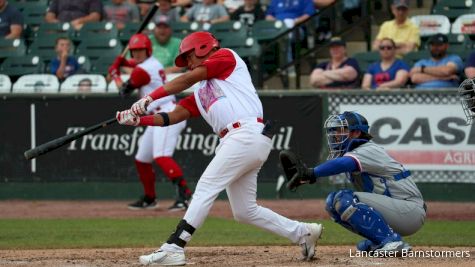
(338, 128)
(467, 98)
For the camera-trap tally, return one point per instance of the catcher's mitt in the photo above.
(295, 170)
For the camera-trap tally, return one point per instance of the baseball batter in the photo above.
(157, 143)
(386, 204)
(228, 101)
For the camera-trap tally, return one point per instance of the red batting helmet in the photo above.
(201, 42)
(140, 41)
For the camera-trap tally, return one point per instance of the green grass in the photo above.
(151, 232)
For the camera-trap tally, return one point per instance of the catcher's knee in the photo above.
(339, 204)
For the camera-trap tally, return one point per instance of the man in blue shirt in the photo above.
(296, 10)
(11, 21)
(63, 65)
(441, 70)
(470, 66)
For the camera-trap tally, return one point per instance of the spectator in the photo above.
(249, 13)
(120, 12)
(340, 72)
(85, 85)
(166, 12)
(208, 12)
(323, 21)
(390, 72)
(400, 29)
(231, 5)
(11, 21)
(441, 70)
(165, 47)
(143, 5)
(470, 66)
(64, 65)
(76, 12)
(291, 12)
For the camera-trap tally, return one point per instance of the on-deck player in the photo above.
(228, 101)
(157, 143)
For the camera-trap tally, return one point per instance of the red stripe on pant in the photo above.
(147, 177)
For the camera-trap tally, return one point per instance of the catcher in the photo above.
(467, 97)
(386, 203)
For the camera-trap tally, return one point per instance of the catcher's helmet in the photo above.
(201, 42)
(338, 128)
(140, 41)
(467, 98)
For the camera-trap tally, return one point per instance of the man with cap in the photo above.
(400, 29)
(165, 47)
(340, 72)
(439, 71)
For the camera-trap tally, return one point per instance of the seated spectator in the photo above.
(165, 47)
(439, 71)
(166, 12)
(85, 86)
(231, 5)
(470, 66)
(63, 65)
(76, 12)
(400, 29)
(143, 6)
(249, 13)
(121, 12)
(390, 72)
(11, 21)
(340, 72)
(290, 12)
(208, 12)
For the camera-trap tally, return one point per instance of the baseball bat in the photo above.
(64, 140)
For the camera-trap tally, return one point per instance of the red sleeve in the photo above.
(139, 77)
(189, 103)
(129, 63)
(220, 64)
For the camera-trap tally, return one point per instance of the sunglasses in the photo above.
(386, 47)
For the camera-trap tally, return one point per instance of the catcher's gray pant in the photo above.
(238, 159)
(405, 216)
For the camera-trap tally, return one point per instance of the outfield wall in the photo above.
(424, 130)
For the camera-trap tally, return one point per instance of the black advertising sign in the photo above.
(108, 154)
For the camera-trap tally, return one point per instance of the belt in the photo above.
(402, 175)
(235, 125)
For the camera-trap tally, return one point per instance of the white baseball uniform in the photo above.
(228, 101)
(156, 141)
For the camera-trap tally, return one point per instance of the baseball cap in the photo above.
(401, 3)
(337, 41)
(162, 20)
(438, 39)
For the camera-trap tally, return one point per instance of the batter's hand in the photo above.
(140, 107)
(126, 117)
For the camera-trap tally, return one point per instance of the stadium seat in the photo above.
(112, 87)
(102, 64)
(464, 24)
(182, 29)
(17, 66)
(12, 48)
(228, 29)
(84, 83)
(366, 58)
(5, 84)
(22, 4)
(94, 30)
(36, 83)
(54, 30)
(129, 30)
(431, 24)
(99, 47)
(455, 4)
(243, 46)
(264, 30)
(34, 15)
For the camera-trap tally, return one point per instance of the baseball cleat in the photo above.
(393, 248)
(309, 241)
(165, 258)
(144, 203)
(366, 245)
(178, 206)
